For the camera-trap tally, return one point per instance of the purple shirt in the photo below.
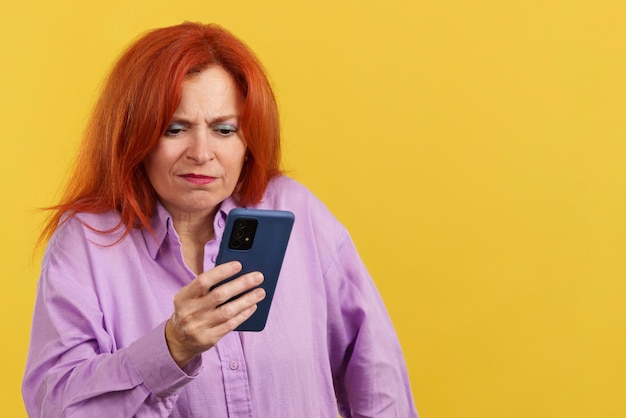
(98, 342)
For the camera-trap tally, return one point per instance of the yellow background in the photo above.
(475, 149)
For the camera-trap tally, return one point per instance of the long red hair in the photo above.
(136, 105)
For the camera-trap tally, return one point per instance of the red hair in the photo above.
(135, 108)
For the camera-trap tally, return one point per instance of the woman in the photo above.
(185, 130)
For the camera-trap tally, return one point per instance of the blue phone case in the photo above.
(263, 252)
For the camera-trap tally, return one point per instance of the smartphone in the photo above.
(258, 239)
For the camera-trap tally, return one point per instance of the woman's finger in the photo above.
(204, 281)
(226, 291)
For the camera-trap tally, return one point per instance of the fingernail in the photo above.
(258, 277)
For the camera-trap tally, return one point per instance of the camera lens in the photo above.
(242, 233)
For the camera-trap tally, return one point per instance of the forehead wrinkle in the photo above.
(184, 119)
(209, 96)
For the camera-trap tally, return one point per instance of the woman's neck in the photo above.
(194, 233)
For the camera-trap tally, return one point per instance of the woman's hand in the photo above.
(200, 320)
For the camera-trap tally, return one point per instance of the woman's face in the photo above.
(196, 164)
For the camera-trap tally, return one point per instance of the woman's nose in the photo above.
(200, 148)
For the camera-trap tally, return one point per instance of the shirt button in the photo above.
(233, 365)
(220, 223)
(213, 258)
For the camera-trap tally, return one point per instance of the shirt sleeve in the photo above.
(74, 368)
(369, 370)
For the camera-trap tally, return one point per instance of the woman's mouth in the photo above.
(198, 178)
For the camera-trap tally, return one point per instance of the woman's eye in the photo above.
(174, 129)
(225, 129)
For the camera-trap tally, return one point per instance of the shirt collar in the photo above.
(160, 224)
(228, 204)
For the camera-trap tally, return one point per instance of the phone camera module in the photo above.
(242, 236)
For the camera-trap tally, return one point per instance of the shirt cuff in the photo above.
(155, 364)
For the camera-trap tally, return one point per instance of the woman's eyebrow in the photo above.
(224, 118)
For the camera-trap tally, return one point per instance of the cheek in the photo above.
(236, 158)
(239, 163)
(163, 157)
(150, 164)
(156, 165)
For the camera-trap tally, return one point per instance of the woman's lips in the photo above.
(198, 178)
